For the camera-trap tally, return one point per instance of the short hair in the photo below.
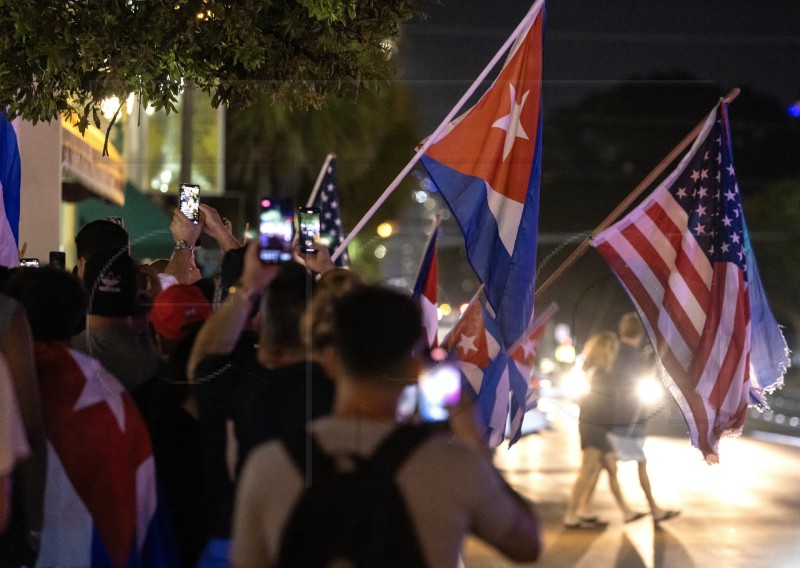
(630, 326)
(600, 352)
(285, 300)
(316, 324)
(376, 330)
(100, 235)
(53, 299)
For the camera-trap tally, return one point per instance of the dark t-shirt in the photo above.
(262, 404)
(612, 399)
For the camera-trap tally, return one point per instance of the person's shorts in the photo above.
(594, 436)
(627, 442)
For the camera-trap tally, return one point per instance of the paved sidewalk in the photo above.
(742, 513)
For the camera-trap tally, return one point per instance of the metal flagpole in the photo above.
(620, 209)
(531, 15)
(320, 177)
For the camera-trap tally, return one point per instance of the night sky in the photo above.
(595, 45)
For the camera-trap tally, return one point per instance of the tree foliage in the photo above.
(66, 57)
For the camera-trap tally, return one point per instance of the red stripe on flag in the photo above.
(643, 245)
(683, 380)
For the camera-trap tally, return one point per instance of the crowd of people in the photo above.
(150, 416)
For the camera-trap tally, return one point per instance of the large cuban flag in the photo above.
(10, 178)
(487, 166)
(476, 344)
(101, 500)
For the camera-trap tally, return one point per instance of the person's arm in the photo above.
(502, 517)
(18, 350)
(222, 330)
(216, 229)
(181, 264)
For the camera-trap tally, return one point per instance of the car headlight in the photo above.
(649, 390)
(575, 384)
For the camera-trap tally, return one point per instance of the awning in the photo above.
(86, 170)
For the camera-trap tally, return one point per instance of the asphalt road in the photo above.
(741, 513)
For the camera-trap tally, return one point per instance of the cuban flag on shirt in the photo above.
(476, 343)
(487, 166)
(521, 357)
(101, 501)
(10, 178)
(425, 292)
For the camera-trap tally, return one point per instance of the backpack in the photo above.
(356, 518)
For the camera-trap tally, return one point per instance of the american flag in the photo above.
(330, 213)
(683, 257)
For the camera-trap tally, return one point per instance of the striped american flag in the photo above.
(682, 256)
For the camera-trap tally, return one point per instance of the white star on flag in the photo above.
(100, 387)
(467, 344)
(511, 123)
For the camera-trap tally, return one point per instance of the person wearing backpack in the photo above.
(358, 489)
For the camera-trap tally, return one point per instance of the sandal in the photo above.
(635, 517)
(586, 524)
(665, 516)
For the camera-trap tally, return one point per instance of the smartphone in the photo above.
(190, 201)
(115, 219)
(58, 259)
(438, 387)
(29, 262)
(275, 230)
(309, 223)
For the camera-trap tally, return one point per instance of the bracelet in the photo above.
(249, 297)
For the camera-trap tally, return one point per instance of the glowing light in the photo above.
(463, 307)
(445, 309)
(380, 251)
(385, 230)
(794, 110)
(420, 196)
(109, 107)
(166, 176)
(648, 389)
(547, 365)
(149, 111)
(575, 384)
(129, 103)
(164, 188)
(265, 203)
(562, 333)
(565, 354)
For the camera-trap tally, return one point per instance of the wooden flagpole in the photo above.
(320, 177)
(529, 17)
(623, 206)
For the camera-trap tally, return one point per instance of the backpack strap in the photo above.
(387, 458)
(397, 448)
(303, 448)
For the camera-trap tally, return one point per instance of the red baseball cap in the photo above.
(176, 307)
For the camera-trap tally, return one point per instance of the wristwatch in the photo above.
(183, 245)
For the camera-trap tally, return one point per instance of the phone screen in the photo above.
(309, 228)
(275, 230)
(190, 201)
(439, 387)
(30, 262)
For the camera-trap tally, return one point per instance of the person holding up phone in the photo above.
(448, 487)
